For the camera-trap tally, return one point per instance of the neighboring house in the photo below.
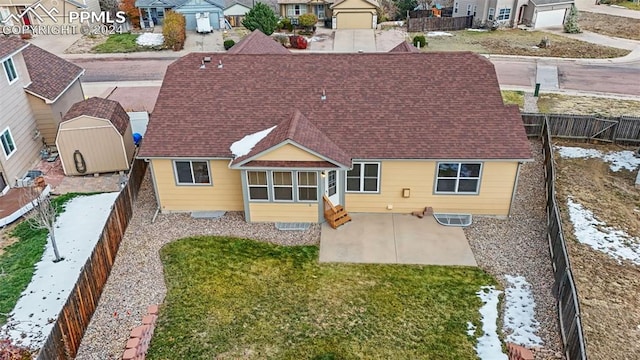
(235, 13)
(221, 140)
(152, 11)
(511, 13)
(43, 12)
(354, 14)
(294, 8)
(258, 43)
(36, 87)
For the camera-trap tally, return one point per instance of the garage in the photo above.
(355, 20)
(550, 18)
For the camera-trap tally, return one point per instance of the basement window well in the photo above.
(453, 219)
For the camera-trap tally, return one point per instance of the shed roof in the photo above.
(50, 75)
(102, 109)
(436, 105)
(258, 43)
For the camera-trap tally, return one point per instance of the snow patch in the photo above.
(243, 146)
(471, 329)
(438, 33)
(77, 231)
(519, 316)
(478, 30)
(595, 233)
(489, 346)
(150, 39)
(617, 159)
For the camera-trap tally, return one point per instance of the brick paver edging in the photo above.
(138, 343)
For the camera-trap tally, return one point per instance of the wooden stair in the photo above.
(335, 215)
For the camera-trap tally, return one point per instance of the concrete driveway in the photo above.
(354, 41)
(395, 239)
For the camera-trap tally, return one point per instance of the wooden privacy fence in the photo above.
(64, 340)
(623, 129)
(424, 24)
(564, 287)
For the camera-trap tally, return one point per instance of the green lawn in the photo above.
(231, 298)
(510, 97)
(119, 43)
(630, 5)
(17, 263)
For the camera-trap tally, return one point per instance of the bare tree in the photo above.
(43, 215)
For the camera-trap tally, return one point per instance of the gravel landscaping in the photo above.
(518, 246)
(137, 279)
(515, 246)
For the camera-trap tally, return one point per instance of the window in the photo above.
(469, 7)
(320, 11)
(364, 177)
(492, 13)
(475, 9)
(8, 145)
(455, 8)
(332, 182)
(10, 70)
(192, 172)
(307, 186)
(456, 178)
(296, 10)
(282, 186)
(504, 14)
(258, 189)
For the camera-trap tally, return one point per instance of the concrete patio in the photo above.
(395, 239)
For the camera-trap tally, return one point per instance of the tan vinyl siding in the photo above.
(16, 114)
(98, 141)
(494, 198)
(288, 152)
(283, 212)
(49, 116)
(225, 194)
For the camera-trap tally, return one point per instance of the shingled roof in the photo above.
(10, 44)
(102, 109)
(50, 75)
(258, 43)
(404, 47)
(302, 132)
(436, 105)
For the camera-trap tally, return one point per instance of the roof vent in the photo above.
(207, 59)
(324, 95)
(202, 65)
(220, 64)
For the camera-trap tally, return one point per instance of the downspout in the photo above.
(515, 188)
(155, 189)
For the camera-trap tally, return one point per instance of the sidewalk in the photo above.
(595, 38)
(590, 6)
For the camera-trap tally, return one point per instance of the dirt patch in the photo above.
(6, 239)
(587, 105)
(607, 290)
(85, 44)
(520, 42)
(610, 25)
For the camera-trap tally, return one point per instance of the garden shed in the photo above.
(95, 137)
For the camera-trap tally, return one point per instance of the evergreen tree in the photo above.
(571, 23)
(261, 17)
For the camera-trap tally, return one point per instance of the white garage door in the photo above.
(550, 18)
(359, 20)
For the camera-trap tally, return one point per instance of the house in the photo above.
(234, 13)
(43, 12)
(511, 13)
(294, 8)
(36, 88)
(354, 14)
(244, 133)
(95, 137)
(152, 12)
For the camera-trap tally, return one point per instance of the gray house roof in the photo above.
(550, 2)
(159, 3)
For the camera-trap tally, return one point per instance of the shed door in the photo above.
(550, 18)
(358, 20)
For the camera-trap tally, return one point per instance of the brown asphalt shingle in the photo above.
(437, 105)
(299, 130)
(50, 74)
(258, 43)
(9, 45)
(102, 109)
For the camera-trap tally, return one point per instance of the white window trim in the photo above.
(362, 191)
(498, 17)
(292, 186)
(6, 73)
(457, 178)
(249, 186)
(469, 7)
(13, 141)
(298, 186)
(491, 14)
(175, 173)
(455, 7)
